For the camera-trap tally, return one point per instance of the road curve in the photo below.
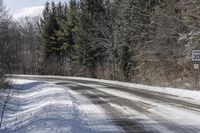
(138, 111)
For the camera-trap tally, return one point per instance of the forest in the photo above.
(138, 41)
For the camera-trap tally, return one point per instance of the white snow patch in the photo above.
(21, 81)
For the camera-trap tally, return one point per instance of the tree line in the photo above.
(141, 41)
(5, 43)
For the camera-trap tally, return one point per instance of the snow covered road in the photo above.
(144, 112)
(137, 110)
(43, 107)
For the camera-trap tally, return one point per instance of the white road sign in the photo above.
(196, 56)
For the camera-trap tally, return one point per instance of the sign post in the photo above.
(196, 62)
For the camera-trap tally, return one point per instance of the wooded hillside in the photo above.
(140, 41)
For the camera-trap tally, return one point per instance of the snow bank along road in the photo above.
(133, 109)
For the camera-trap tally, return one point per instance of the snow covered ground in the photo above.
(184, 93)
(42, 107)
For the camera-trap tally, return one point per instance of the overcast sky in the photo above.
(20, 8)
